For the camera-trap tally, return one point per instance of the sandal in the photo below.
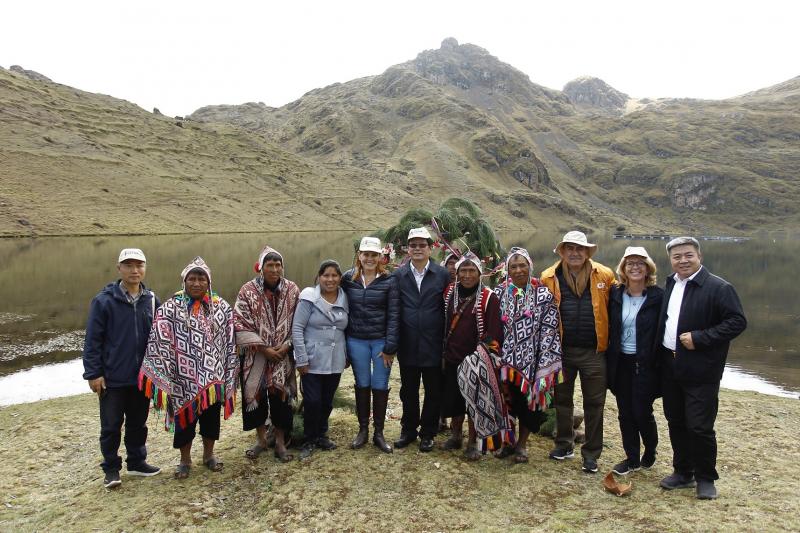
(213, 465)
(472, 453)
(182, 471)
(284, 457)
(505, 451)
(521, 456)
(255, 451)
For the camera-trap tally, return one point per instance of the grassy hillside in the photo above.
(457, 114)
(454, 121)
(51, 476)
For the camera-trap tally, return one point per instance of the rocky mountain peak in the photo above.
(450, 43)
(593, 94)
(465, 66)
(469, 67)
(30, 74)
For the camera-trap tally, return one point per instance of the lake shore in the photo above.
(51, 458)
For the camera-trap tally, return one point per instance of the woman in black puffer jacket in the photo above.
(372, 335)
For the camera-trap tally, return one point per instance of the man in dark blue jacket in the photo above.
(700, 315)
(119, 324)
(422, 283)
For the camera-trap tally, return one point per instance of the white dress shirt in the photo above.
(419, 275)
(670, 340)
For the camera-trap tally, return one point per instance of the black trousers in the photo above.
(278, 410)
(691, 410)
(318, 392)
(130, 405)
(453, 404)
(209, 427)
(635, 406)
(530, 420)
(428, 422)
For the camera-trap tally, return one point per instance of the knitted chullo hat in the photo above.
(452, 297)
(196, 264)
(209, 298)
(264, 253)
(510, 296)
(470, 257)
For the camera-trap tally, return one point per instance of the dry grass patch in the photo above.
(51, 479)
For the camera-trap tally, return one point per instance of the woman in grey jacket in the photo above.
(320, 352)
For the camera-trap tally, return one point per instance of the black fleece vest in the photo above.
(577, 316)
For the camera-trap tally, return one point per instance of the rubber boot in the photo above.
(379, 400)
(362, 412)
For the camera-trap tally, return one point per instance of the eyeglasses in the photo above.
(632, 264)
(418, 245)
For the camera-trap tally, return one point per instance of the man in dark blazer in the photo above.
(700, 315)
(422, 283)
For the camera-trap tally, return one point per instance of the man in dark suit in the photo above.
(422, 283)
(700, 315)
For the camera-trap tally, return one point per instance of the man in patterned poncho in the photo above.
(470, 382)
(191, 364)
(531, 352)
(263, 313)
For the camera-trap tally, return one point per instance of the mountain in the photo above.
(81, 163)
(454, 121)
(593, 94)
(458, 118)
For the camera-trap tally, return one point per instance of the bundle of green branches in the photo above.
(459, 222)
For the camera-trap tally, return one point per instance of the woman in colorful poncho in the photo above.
(263, 313)
(531, 352)
(190, 365)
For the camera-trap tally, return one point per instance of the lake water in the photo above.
(47, 284)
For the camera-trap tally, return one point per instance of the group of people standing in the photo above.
(495, 358)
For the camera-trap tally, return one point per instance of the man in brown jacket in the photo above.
(581, 288)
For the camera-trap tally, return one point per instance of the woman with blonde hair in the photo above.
(633, 310)
(372, 335)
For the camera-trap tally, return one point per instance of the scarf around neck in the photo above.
(577, 283)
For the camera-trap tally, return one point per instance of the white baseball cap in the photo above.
(131, 253)
(419, 233)
(370, 244)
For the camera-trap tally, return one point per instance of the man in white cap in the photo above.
(119, 323)
(422, 283)
(581, 288)
(700, 315)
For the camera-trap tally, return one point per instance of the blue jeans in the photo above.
(368, 367)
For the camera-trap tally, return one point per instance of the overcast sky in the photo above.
(181, 55)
